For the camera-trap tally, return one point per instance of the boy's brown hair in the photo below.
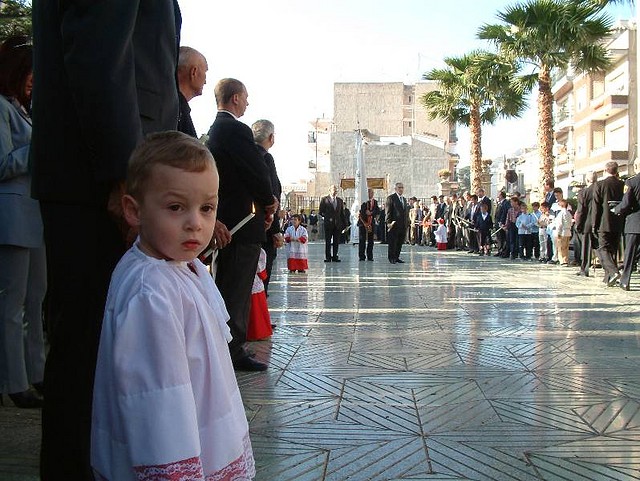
(171, 148)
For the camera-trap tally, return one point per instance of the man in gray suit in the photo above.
(630, 207)
(104, 76)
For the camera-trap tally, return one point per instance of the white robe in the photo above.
(166, 400)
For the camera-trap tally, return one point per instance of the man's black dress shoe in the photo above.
(624, 287)
(399, 261)
(363, 258)
(249, 364)
(370, 259)
(26, 399)
(335, 259)
(39, 387)
(393, 261)
(327, 260)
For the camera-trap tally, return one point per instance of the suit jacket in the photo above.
(583, 215)
(104, 75)
(20, 220)
(185, 124)
(486, 200)
(374, 211)
(609, 189)
(245, 182)
(501, 211)
(484, 225)
(395, 211)
(276, 186)
(630, 206)
(333, 218)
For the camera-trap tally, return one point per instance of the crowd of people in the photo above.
(109, 203)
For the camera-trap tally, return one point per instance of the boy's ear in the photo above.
(131, 210)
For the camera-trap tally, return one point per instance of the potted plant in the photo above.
(444, 174)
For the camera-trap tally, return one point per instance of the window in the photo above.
(597, 88)
(581, 98)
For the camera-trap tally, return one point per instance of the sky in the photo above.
(289, 53)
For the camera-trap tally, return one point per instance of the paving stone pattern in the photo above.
(447, 367)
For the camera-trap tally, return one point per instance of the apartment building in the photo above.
(595, 115)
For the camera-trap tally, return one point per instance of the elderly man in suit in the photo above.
(192, 75)
(397, 218)
(607, 226)
(583, 224)
(99, 86)
(245, 187)
(332, 211)
(630, 207)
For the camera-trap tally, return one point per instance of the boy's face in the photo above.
(177, 214)
(523, 209)
(296, 222)
(484, 207)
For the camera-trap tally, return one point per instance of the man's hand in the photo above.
(268, 220)
(221, 235)
(272, 208)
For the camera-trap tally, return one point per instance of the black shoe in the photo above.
(327, 260)
(399, 261)
(301, 271)
(335, 259)
(363, 258)
(370, 259)
(582, 274)
(39, 387)
(613, 279)
(249, 364)
(393, 261)
(552, 262)
(26, 400)
(273, 326)
(624, 287)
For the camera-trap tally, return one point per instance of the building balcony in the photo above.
(564, 122)
(608, 105)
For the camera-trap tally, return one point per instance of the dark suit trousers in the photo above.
(331, 241)
(586, 247)
(235, 273)
(608, 243)
(83, 247)
(631, 256)
(365, 239)
(395, 239)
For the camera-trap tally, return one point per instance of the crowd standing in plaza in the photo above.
(136, 325)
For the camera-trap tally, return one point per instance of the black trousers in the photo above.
(395, 239)
(588, 244)
(631, 256)
(83, 247)
(331, 241)
(365, 239)
(608, 243)
(235, 272)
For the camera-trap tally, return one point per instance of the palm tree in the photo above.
(475, 89)
(551, 34)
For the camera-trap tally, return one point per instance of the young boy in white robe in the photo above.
(297, 250)
(166, 404)
(441, 236)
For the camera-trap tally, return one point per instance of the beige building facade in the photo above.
(401, 144)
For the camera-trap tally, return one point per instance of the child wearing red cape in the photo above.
(259, 328)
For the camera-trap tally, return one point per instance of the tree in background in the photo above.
(15, 18)
(464, 179)
(475, 89)
(547, 35)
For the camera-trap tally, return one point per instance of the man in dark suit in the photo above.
(369, 211)
(549, 195)
(192, 75)
(99, 86)
(245, 187)
(502, 208)
(607, 226)
(264, 136)
(583, 224)
(332, 211)
(396, 219)
(630, 207)
(483, 199)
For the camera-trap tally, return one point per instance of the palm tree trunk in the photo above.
(545, 125)
(475, 129)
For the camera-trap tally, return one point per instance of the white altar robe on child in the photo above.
(166, 401)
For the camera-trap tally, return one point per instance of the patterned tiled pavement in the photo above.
(447, 367)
